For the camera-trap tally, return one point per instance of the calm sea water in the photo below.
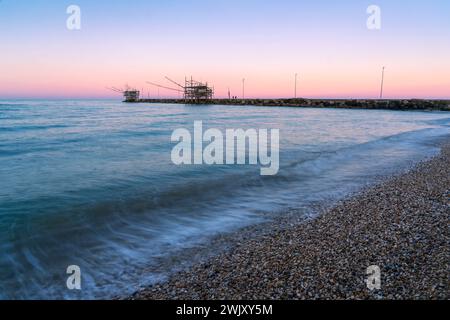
(91, 183)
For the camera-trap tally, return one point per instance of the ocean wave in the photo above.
(19, 128)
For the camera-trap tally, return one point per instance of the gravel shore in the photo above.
(400, 225)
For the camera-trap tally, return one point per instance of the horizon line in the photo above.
(226, 98)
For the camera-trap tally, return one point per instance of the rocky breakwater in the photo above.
(441, 105)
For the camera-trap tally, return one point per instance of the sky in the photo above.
(128, 42)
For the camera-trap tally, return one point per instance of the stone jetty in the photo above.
(407, 104)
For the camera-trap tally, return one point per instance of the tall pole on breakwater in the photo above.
(295, 90)
(243, 89)
(382, 83)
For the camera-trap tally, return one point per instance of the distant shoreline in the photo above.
(375, 104)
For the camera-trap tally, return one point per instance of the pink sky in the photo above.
(337, 58)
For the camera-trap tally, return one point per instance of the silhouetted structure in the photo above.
(197, 92)
(131, 95)
(194, 92)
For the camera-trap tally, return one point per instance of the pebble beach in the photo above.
(400, 225)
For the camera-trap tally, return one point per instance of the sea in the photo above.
(91, 183)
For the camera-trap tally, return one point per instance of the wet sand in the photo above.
(400, 225)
